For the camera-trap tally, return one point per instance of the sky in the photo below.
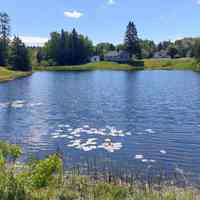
(103, 20)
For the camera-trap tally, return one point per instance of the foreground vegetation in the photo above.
(7, 74)
(46, 180)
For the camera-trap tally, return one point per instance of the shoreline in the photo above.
(149, 64)
(9, 75)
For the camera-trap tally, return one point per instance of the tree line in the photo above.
(72, 48)
(12, 52)
(65, 48)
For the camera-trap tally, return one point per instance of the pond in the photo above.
(140, 120)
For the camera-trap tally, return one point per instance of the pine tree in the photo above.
(172, 51)
(132, 41)
(196, 50)
(4, 38)
(19, 58)
(39, 56)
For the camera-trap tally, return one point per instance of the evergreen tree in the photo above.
(68, 48)
(4, 38)
(172, 51)
(196, 50)
(19, 58)
(39, 56)
(132, 41)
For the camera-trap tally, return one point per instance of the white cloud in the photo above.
(198, 2)
(73, 14)
(34, 41)
(111, 2)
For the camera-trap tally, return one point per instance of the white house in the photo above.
(95, 59)
(117, 56)
(161, 54)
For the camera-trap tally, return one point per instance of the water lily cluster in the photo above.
(104, 140)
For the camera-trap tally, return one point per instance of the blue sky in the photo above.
(104, 20)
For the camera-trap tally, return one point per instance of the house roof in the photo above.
(116, 53)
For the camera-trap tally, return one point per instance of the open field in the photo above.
(7, 75)
(170, 64)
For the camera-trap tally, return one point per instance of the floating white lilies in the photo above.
(91, 143)
(163, 151)
(139, 157)
(144, 160)
(111, 147)
(150, 131)
(17, 104)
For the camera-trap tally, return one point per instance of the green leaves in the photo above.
(45, 172)
(68, 48)
(9, 151)
(19, 56)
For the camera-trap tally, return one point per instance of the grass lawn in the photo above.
(6, 74)
(153, 64)
(89, 66)
(170, 64)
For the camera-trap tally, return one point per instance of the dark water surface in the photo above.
(152, 118)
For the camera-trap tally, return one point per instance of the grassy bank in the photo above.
(170, 64)
(6, 74)
(88, 67)
(46, 180)
(149, 64)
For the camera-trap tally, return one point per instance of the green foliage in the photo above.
(102, 48)
(172, 51)
(43, 180)
(10, 151)
(196, 50)
(69, 195)
(19, 56)
(131, 43)
(45, 172)
(68, 48)
(110, 192)
(136, 63)
(4, 38)
(10, 187)
(148, 48)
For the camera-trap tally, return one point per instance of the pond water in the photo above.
(137, 119)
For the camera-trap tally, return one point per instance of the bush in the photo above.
(45, 172)
(69, 195)
(10, 187)
(10, 151)
(49, 62)
(136, 63)
(110, 192)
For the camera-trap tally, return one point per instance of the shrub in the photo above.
(46, 171)
(136, 63)
(10, 151)
(10, 187)
(69, 195)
